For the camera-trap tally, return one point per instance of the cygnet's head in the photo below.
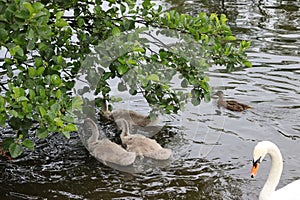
(123, 125)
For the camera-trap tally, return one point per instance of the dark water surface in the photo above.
(212, 147)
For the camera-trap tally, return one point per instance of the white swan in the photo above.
(290, 191)
(106, 150)
(142, 145)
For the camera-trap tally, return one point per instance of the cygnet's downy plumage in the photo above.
(141, 145)
(132, 117)
(106, 150)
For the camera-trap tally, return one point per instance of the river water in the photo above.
(212, 146)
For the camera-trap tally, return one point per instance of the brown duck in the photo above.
(231, 104)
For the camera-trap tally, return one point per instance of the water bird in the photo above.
(290, 191)
(231, 104)
(106, 150)
(141, 145)
(132, 117)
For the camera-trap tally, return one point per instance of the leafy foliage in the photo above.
(45, 46)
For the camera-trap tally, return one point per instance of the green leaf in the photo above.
(55, 108)
(30, 34)
(31, 94)
(60, 59)
(31, 72)
(122, 69)
(229, 38)
(42, 132)
(3, 35)
(29, 7)
(184, 83)
(66, 134)
(138, 49)
(247, 63)
(21, 15)
(28, 144)
(42, 111)
(31, 44)
(51, 116)
(7, 142)
(22, 98)
(38, 62)
(132, 91)
(40, 71)
(77, 103)
(52, 128)
(122, 87)
(170, 107)
(17, 50)
(68, 118)
(13, 113)
(55, 80)
(196, 101)
(131, 62)
(42, 92)
(116, 31)
(59, 14)
(207, 97)
(38, 6)
(42, 46)
(61, 23)
(144, 82)
(15, 150)
(146, 4)
(58, 122)
(245, 45)
(70, 128)
(80, 22)
(9, 61)
(18, 92)
(2, 104)
(3, 118)
(58, 94)
(153, 77)
(26, 107)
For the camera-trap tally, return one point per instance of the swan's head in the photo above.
(259, 152)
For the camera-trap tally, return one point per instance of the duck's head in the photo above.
(219, 94)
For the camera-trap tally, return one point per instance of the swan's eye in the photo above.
(255, 162)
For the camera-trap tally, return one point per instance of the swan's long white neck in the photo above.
(275, 171)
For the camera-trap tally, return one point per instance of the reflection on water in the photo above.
(75, 175)
(273, 26)
(212, 147)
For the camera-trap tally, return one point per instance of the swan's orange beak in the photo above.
(254, 169)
